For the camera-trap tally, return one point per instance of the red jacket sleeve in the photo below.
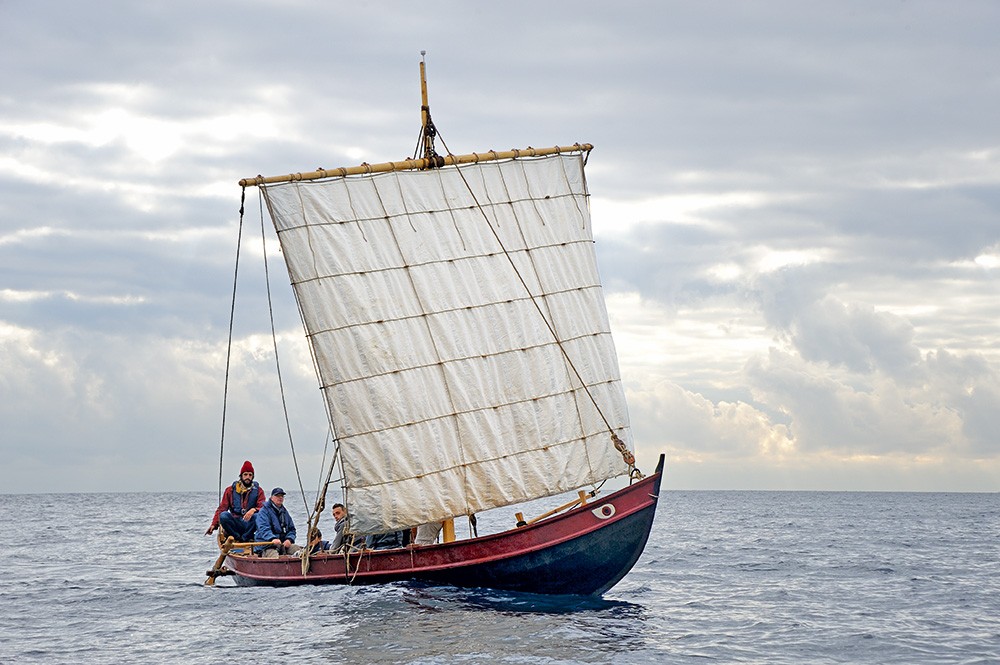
(226, 504)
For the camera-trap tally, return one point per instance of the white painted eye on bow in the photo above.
(604, 512)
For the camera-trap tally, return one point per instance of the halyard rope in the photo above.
(277, 364)
(627, 457)
(229, 346)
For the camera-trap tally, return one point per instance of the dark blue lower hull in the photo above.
(587, 565)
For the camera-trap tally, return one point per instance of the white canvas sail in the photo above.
(445, 385)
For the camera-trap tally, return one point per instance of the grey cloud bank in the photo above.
(796, 207)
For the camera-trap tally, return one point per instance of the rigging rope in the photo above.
(314, 516)
(229, 345)
(627, 456)
(324, 486)
(277, 364)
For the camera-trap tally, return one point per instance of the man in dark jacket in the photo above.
(340, 537)
(275, 524)
(240, 503)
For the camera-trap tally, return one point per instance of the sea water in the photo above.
(728, 577)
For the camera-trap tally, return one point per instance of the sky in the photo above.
(796, 209)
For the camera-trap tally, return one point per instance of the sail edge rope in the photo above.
(277, 362)
(627, 456)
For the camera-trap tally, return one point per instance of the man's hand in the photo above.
(277, 542)
(287, 544)
(210, 530)
(248, 515)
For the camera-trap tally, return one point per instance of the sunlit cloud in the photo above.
(23, 296)
(771, 260)
(725, 272)
(988, 261)
(27, 235)
(615, 216)
(115, 115)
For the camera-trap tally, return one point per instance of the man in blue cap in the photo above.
(275, 524)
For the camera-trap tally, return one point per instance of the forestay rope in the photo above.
(229, 345)
(627, 456)
(274, 342)
(314, 516)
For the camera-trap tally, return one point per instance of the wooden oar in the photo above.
(217, 568)
(226, 548)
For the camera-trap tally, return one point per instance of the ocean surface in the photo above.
(727, 577)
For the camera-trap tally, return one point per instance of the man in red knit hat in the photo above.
(239, 504)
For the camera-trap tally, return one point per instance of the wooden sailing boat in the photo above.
(460, 337)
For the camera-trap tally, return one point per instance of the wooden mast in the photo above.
(430, 158)
(427, 129)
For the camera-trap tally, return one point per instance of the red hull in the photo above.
(582, 551)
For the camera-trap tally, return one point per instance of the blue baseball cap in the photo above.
(277, 490)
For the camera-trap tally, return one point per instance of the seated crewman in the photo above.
(240, 503)
(276, 525)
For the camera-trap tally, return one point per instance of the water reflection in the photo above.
(401, 623)
(509, 601)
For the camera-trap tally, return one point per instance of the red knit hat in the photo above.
(247, 466)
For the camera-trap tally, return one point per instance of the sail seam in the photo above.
(417, 295)
(534, 300)
(558, 444)
(444, 375)
(421, 264)
(406, 215)
(410, 317)
(461, 359)
(538, 277)
(488, 407)
(277, 363)
(317, 367)
(583, 218)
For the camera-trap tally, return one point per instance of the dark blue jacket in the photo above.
(274, 522)
(382, 541)
(320, 546)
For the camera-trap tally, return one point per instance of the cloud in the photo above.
(100, 402)
(823, 329)
(795, 212)
(688, 424)
(851, 414)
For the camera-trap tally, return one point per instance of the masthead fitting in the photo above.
(427, 129)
